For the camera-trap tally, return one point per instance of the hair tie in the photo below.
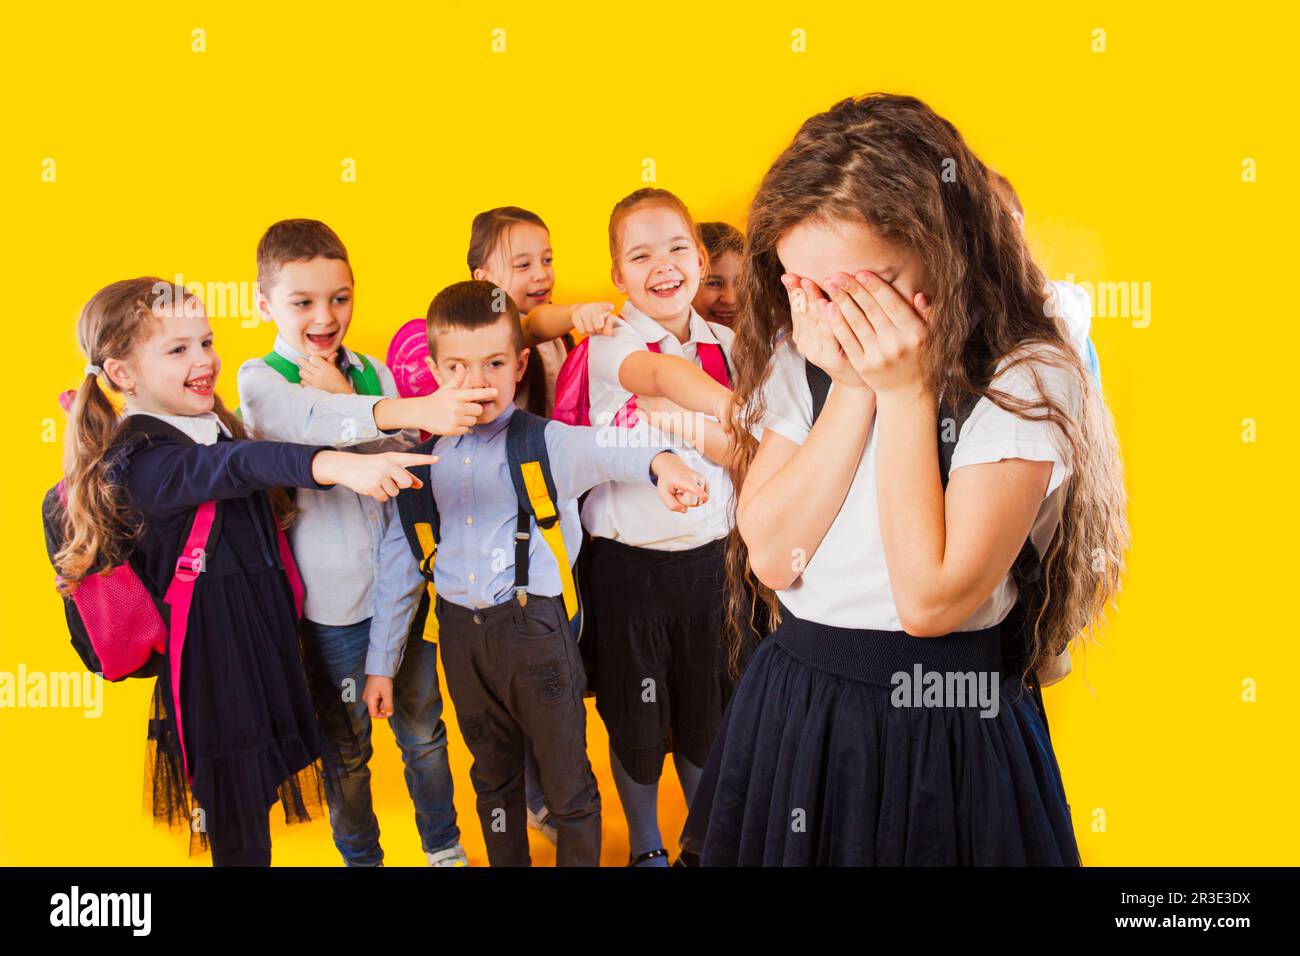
(94, 370)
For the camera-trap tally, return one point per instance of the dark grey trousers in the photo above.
(514, 673)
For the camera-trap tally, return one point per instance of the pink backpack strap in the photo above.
(626, 416)
(290, 569)
(714, 362)
(179, 597)
(573, 388)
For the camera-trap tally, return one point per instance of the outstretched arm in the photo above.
(550, 321)
(694, 428)
(279, 410)
(583, 457)
(677, 379)
(167, 477)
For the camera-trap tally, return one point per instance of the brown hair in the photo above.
(471, 304)
(721, 238)
(908, 174)
(99, 525)
(295, 240)
(488, 232)
(650, 196)
(490, 229)
(1006, 191)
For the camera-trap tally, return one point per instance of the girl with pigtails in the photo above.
(232, 728)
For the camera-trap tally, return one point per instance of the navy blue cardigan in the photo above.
(167, 475)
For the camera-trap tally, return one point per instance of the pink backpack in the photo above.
(406, 354)
(116, 625)
(573, 384)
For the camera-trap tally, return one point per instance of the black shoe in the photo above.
(648, 855)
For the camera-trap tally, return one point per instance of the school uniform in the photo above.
(816, 764)
(336, 539)
(656, 581)
(250, 728)
(513, 670)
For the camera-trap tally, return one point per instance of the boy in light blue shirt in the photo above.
(511, 663)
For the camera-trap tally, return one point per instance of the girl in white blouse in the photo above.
(893, 335)
(655, 585)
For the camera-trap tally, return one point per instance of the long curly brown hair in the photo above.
(907, 173)
(100, 527)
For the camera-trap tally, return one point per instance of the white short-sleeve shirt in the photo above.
(846, 582)
(1071, 304)
(632, 513)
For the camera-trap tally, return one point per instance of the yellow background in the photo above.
(1128, 162)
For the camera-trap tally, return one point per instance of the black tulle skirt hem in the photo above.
(242, 789)
(818, 764)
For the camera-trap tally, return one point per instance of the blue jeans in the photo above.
(417, 726)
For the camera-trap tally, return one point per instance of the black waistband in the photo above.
(642, 582)
(445, 607)
(711, 551)
(876, 656)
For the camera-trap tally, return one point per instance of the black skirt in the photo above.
(820, 763)
(251, 730)
(656, 651)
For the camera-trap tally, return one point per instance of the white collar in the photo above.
(350, 357)
(202, 428)
(652, 331)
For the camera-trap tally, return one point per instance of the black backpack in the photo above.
(530, 473)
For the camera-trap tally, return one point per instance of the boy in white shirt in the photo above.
(312, 389)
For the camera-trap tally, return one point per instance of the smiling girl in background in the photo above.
(720, 288)
(657, 583)
(511, 247)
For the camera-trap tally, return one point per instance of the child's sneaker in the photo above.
(541, 822)
(452, 856)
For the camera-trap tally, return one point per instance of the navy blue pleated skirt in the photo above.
(826, 757)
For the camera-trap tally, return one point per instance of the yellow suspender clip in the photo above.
(549, 525)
